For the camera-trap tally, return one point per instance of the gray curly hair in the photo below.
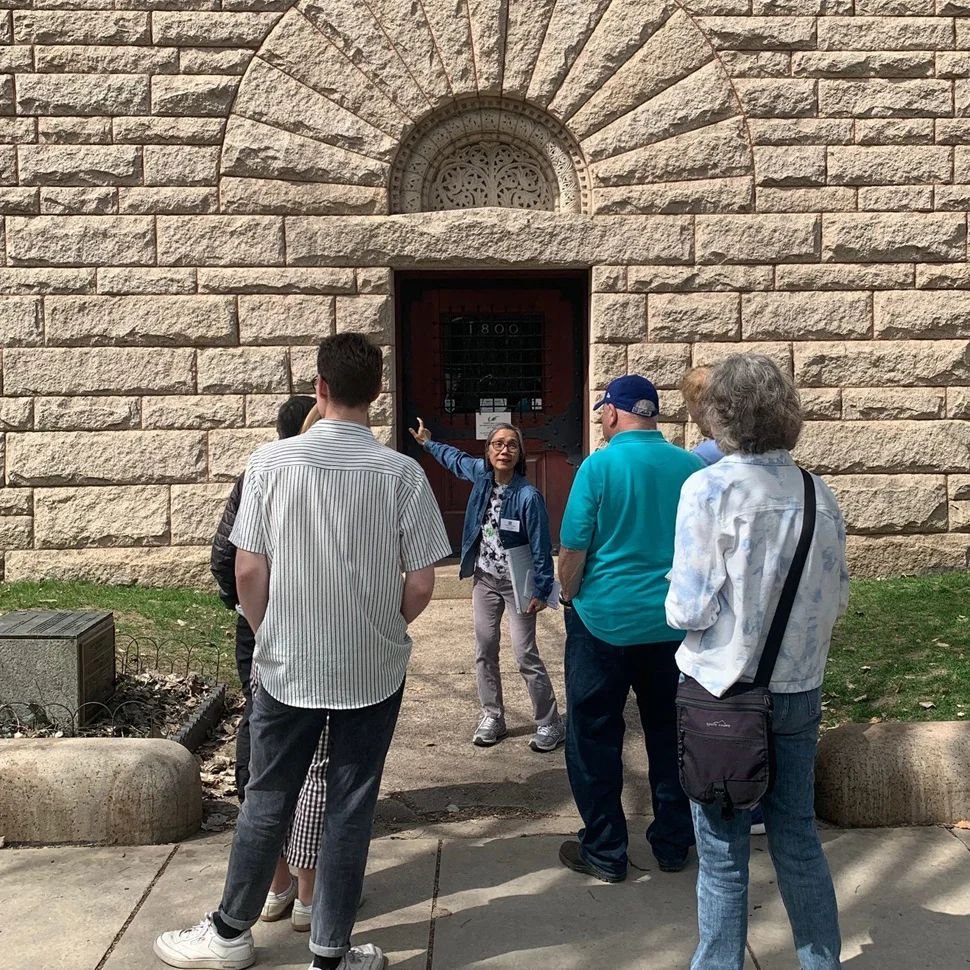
(752, 405)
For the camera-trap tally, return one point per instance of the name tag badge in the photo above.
(510, 525)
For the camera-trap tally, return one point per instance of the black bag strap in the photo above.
(776, 632)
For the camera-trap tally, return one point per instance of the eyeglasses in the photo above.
(504, 445)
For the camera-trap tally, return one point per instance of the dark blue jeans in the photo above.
(245, 646)
(284, 740)
(599, 677)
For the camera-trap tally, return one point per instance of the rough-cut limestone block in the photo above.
(93, 59)
(181, 164)
(69, 131)
(81, 240)
(872, 556)
(717, 151)
(81, 27)
(606, 361)
(900, 198)
(141, 320)
(184, 28)
(303, 370)
(18, 202)
(757, 63)
(142, 282)
(894, 237)
(889, 166)
(66, 518)
(257, 150)
(885, 33)
(300, 50)
(806, 316)
(759, 33)
(946, 276)
(696, 195)
(372, 315)
(301, 198)
(263, 409)
(777, 98)
(207, 95)
(827, 199)
(618, 318)
(16, 414)
(168, 200)
(102, 370)
(676, 317)
(16, 532)
(700, 99)
(86, 413)
(16, 501)
(757, 239)
(235, 370)
(527, 21)
(79, 201)
(21, 323)
(376, 280)
(121, 791)
(857, 64)
(196, 511)
(352, 31)
(669, 279)
(867, 276)
(958, 402)
(215, 60)
(891, 447)
(146, 566)
(453, 35)
(220, 241)
(160, 131)
(709, 354)
(894, 774)
(566, 33)
(893, 403)
(487, 237)
(896, 131)
(268, 319)
(82, 94)
(903, 363)
(198, 412)
(821, 403)
(79, 164)
(105, 457)
(277, 280)
(884, 98)
(624, 27)
(229, 451)
(801, 131)
(790, 166)
(938, 315)
(609, 279)
(874, 504)
(382, 413)
(950, 197)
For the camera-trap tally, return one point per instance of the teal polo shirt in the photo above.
(622, 510)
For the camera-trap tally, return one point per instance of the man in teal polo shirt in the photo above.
(617, 548)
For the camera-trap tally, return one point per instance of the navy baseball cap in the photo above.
(632, 393)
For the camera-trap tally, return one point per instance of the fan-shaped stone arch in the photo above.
(348, 100)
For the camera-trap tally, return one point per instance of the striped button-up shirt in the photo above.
(339, 518)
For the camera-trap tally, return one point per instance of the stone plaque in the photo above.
(58, 657)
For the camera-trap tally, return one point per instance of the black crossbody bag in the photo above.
(726, 753)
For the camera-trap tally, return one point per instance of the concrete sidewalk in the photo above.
(490, 895)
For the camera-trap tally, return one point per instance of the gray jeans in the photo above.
(490, 598)
(283, 743)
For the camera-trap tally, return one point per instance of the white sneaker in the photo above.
(300, 917)
(202, 948)
(366, 957)
(277, 904)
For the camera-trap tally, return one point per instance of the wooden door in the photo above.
(487, 345)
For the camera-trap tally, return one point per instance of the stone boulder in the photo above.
(912, 773)
(120, 791)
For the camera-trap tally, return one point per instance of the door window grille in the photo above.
(492, 362)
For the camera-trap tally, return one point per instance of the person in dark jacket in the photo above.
(289, 420)
(504, 510)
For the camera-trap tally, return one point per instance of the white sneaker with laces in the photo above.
(202, 948)
(366, 957)
(277, 904)
(300, 917)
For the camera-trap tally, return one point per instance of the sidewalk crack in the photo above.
(141, 902)
(434, 907)
(754, 959)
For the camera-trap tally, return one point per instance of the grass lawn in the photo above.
(903, 645)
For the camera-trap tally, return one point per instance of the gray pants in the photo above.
(284, 740)
(490, 598)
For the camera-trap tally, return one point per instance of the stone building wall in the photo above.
(194, 191)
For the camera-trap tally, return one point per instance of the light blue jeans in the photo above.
(724, 847)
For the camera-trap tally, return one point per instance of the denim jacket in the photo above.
(522, 503)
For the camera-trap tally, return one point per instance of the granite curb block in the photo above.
(115, 791)
(912, 773)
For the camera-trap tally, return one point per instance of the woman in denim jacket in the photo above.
(504, 510)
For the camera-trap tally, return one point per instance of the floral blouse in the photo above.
(492, 558)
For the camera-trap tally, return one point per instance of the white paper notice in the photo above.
(486, 420)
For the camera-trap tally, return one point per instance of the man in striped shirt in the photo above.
(337, 537)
